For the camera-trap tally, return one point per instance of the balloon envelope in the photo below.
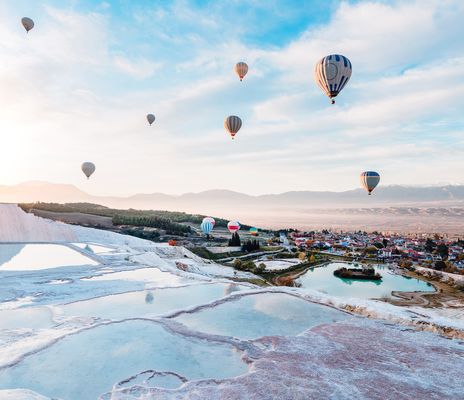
(27, 23)
(150, 118)
(206, 227)
(370, 179)
(232, 124)
(241, 69)
(88, 168)
(233, 226)
(254, 231)
(209, 219)
(332, 73)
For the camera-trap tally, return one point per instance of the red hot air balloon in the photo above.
(233, 226)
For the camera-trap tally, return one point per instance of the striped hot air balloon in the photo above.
(254, 231)
(233, 226)
(209, 219)
(232, 124)
(241, 69)
(332, 73)
(206, 227)
(369, 180)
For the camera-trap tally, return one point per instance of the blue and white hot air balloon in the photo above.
(206, 227)
(370, 179)
(332, 74)
(209, 219)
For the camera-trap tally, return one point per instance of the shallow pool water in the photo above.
(323, 279)
(258, 315)
(93, 248)
(147, 302)
(87, 364)
(148, 275)
(27, 317)
(31, 257)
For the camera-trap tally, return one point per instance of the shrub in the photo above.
(238, 264)
(249, 265)
(440, 265)
(405, 264)
(259, 269)
(285, 281)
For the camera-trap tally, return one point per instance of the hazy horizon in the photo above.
(82, 187)
(79, 85)
(390, 208)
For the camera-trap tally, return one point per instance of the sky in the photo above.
(79, 85)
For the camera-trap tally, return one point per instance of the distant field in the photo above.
(402, 220)
(76, 218)
(427, 220)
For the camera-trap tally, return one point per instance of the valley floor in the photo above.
(145, 320)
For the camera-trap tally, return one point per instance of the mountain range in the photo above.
(399, 208)
(395, 195)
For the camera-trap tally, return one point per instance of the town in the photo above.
(437, 252)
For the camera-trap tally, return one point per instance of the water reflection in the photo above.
(259, 315)
(31, 257)
(149, 298)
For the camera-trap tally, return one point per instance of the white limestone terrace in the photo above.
(292, 344)
(17, 226)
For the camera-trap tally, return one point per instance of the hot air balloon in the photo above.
(370, 180)
(232, 124)
(27, 23)
(150, 118)
(88, 168)
(209, 219)
(254, 231)
(233, 226)
(241, 69)
(332, 73)
(206, 227)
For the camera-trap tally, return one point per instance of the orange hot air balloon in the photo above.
(241, 69)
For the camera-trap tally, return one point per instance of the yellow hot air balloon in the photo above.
(241, 69)
(28, 23)
(332, 73)
(232, 124)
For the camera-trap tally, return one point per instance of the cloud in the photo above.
(140, 68)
